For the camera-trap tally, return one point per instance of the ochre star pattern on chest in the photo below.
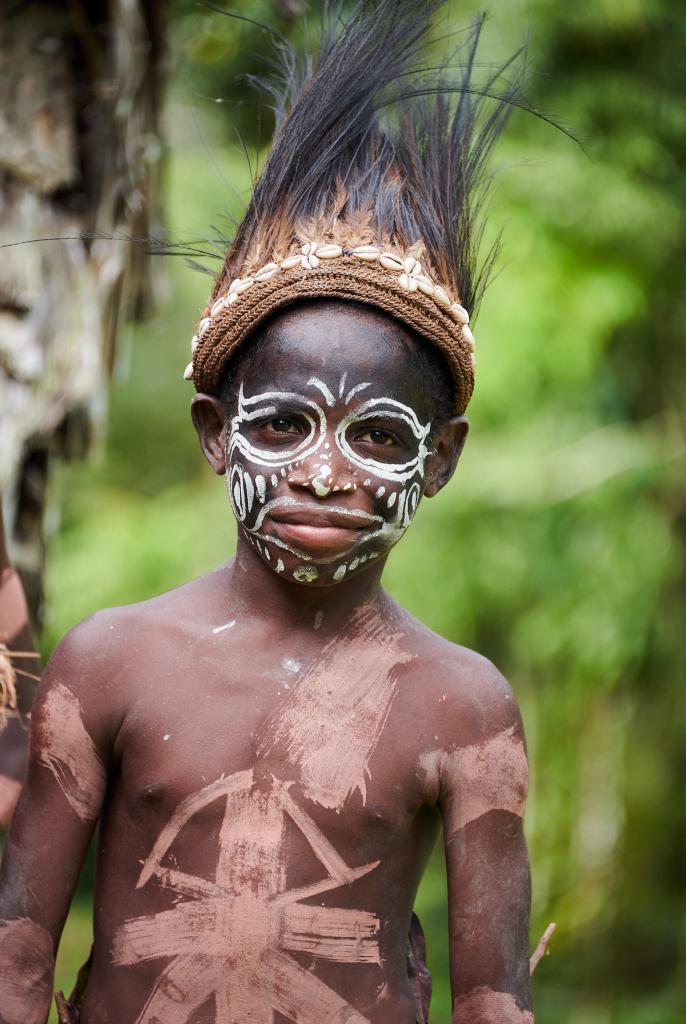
(229, 939)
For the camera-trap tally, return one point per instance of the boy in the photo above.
(272, 749)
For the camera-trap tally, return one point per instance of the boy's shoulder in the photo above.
(462, 694)
(112, 631)
(95, 658)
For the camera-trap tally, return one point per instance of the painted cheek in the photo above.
(250, 487)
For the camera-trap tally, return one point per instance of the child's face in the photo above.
(329, 442)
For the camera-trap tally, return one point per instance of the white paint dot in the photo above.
(167, 736)
(381, 491)
(340, 572)
(275, 479)
(392, 498)
(318, 619)
(280, 566)
(291, 665)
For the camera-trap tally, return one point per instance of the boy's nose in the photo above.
(323, 476)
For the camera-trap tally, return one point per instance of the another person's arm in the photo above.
(15, 636)
(482, 794)
(69, 750)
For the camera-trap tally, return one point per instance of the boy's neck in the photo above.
(285, 604)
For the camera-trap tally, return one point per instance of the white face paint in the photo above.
(328, 452)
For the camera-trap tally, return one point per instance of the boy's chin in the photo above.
(314, 572)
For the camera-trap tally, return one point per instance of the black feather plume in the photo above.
(367, 136)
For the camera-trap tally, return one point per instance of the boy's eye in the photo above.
(377, 437)
(282, 425)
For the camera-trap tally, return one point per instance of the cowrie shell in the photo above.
(405, 281)
(230, 299)
(188, 372)
(217, 306)
(291, 261)
(308, 248)
(203, 326)
(243, 285)
(329, 252)
(234, 285)
(441, 296)
(310, 262)
(195, 341)
(367, 252)
(468, 337)
(268, 271)
(425, 285)
(409, 264)
(391, 262)
(460, 313)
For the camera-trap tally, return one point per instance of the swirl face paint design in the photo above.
(322, 453)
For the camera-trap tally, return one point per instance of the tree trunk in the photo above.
(80, 89)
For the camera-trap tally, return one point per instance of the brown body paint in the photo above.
(484, 1006)
(26, 972)
(69, 752)
(487, 776)
(332, 721)
(231, 940)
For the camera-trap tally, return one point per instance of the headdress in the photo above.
(371, 191)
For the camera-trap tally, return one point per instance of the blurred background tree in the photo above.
(80, 100)
(559, 550)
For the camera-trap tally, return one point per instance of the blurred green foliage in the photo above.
(558, 551)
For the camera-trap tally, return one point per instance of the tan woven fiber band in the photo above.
(344, 278)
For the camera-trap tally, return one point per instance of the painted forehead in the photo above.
(341, 345)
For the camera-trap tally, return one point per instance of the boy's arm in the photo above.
(482, 794)
(15, 635)
(70, 740)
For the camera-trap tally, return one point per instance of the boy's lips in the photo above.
(318, 528)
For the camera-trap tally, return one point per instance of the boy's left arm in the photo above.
(482, 795)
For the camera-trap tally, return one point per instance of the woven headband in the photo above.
(397, 284)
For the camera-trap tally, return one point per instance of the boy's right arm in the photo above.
(69, 750)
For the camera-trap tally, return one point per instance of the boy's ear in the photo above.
(448, 444)
(209, 419)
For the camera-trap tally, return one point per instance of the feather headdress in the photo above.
(372, 190)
